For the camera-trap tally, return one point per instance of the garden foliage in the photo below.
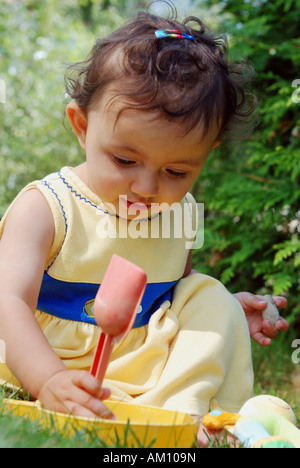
(251, 189)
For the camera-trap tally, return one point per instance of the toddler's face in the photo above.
(139, 158)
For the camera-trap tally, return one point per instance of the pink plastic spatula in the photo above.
(115, 308)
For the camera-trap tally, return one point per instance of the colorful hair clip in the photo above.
(173, 33)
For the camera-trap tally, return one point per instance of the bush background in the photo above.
(250, 189)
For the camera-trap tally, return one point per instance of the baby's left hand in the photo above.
(261, 330)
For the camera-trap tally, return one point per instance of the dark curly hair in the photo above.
(191, 81)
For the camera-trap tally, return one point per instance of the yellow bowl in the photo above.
(136, 426)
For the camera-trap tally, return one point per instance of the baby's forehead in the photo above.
(121, 113)
(149, 135)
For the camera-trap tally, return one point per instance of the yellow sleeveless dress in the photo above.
(190, 341)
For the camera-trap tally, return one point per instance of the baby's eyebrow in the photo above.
(188, 162)
(125, 148)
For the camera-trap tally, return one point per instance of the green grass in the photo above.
(17, 432)
(275, 374)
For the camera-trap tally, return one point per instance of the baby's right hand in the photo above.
(77, 393)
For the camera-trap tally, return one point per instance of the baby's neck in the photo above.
(81, 172)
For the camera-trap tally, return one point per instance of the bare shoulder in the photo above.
(30, 217)
(25, 245)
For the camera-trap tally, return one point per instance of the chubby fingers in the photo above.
(260, 303)
(261, 339)
(282, 324)
(270, 331)
(87, 382)
(87, 395)
(280, 301)
(87, 408)
(75, 392)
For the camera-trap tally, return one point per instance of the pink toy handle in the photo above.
(102, 356)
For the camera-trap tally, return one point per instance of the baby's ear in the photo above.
(78, 121)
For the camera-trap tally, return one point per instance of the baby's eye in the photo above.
(176, 173)
(123, 161)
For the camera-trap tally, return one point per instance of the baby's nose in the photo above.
(145, 186)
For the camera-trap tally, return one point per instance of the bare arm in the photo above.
(24, 248)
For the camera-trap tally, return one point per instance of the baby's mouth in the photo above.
(136, 205)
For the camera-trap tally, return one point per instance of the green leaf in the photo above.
(286, 249)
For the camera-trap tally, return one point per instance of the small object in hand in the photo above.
(270, 313)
